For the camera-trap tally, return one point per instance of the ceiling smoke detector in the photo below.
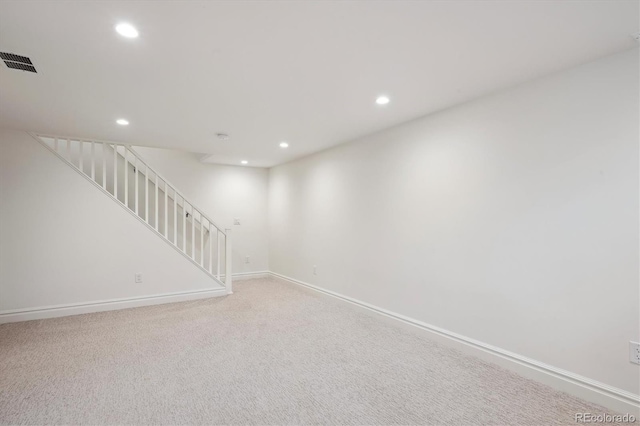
(223, 136)
(636, 36)
(17, 62)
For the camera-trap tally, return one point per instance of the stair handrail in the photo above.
(146, 164)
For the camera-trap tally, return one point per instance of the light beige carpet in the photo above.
(271, 353)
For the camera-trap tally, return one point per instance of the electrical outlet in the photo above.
(138, 278)
(634, 352)
(246, 259)
(315, 270)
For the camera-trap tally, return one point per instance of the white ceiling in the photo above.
(307, 72)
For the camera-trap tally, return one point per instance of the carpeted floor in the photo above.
(271, 353)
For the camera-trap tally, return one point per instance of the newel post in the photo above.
(227, 259)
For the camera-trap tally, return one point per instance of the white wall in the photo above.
(62, 241)
(512, 219)
(224, 193)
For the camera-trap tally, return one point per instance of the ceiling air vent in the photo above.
(17, 62)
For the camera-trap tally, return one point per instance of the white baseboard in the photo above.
(241, 276)
(593, 391)
(56, 311)
(106, 305)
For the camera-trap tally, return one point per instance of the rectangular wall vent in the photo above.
(17, 62)
(20, 66)
(15, 58)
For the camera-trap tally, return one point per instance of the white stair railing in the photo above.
(121, 173)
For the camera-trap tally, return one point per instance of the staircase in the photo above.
(120, 172)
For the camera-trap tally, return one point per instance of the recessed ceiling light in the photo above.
(127, 30)
(222, 136)
(122, 122)
(244, 162)
(382, 100)
(284, 145)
